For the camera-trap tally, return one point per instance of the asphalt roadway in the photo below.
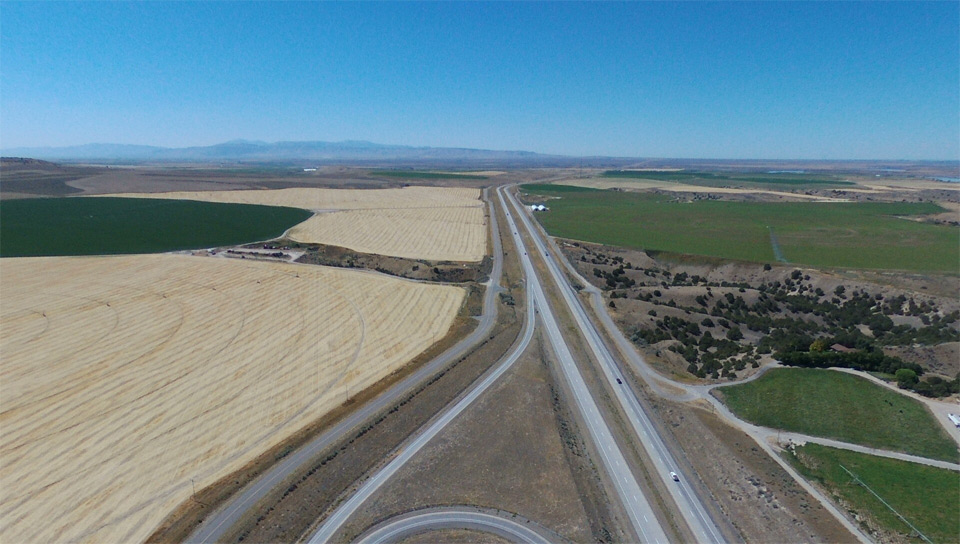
(641, 515)
(400, 527)
(335, 521)
(215, 525)
(684, 393)
(687, 501)
(638, 508)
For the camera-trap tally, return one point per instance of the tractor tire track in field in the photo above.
(777, 253)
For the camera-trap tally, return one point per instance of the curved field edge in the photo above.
(112, 226)
(926, 496)
(866, 235)
(840, 406)
(433, 223)
(128, 378)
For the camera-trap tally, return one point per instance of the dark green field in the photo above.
(927, 497)
(851, 235)
(841, 406)
(107, 226)
(413, 174)
(715, 179)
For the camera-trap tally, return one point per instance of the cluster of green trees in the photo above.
(931, 386)
(705, 354)
(797, 321)
(615, 278)
(870, 361)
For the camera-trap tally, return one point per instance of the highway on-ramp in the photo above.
(223, 518)
(396, 529)
(685, 497)
(335, 521)
(642, 517)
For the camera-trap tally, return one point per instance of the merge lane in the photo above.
(638, 508)
(689, 504)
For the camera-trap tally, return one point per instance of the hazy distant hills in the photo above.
(263, 151)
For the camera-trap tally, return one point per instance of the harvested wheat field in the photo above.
(333, 199)
(436, 234)
(123, 378)
(647, 185)
(433, 223)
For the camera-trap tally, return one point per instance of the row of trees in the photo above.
(932, 386)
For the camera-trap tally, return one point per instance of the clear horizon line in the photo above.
(4, 150)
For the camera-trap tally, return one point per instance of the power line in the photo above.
(885, 503)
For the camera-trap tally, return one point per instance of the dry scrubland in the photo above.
(434, 223)
(123, 378)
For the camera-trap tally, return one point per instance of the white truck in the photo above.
(955, 419)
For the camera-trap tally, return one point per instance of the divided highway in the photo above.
(335, 521)
(685, 393)
(638, 508)
(689, 504)
(641, 515)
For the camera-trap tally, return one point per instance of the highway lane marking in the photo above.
(600, 433)
(603, 355)
(333, 523)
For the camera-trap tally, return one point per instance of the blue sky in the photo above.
(714, 80)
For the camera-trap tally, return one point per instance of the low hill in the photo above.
(264, 151)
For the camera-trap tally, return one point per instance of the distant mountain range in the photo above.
(245, 150)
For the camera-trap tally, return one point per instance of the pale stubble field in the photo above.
(433, 223)
(126, 379)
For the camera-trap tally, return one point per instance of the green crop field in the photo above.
(413, 174)
(851, 235)
(105, 226)
(715, 179)
(841, 406)
(927, 497)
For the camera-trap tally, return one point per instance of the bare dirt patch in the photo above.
(504, 453)
(762, 501)
(30, 178)
(942, 359)
(454, 537)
